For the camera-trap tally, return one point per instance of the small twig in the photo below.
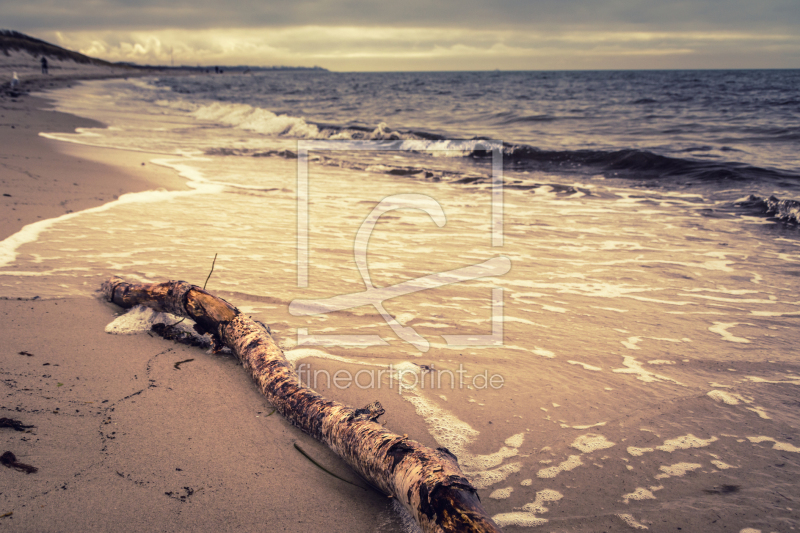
(270, 413)
(179, 363)
(204, 288)
(299, 449)
(212, 271)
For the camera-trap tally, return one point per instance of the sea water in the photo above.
(585, 283)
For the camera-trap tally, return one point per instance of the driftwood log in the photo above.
(429, 483)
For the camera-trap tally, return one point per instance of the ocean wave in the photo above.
(640, 164)
(782, 209)
(625, 163)
(527, 118)
(260, 120)
(256, 119)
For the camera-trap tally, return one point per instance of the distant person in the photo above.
(14, 82)
(44, 65)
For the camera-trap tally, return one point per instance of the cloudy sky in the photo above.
(347, 35)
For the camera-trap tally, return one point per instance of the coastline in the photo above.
(122, 439)
(42, 178)
(648, 355)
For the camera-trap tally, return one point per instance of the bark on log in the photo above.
(429, 483)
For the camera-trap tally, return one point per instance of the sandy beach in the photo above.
(124, 440)
(44, 179)
(648, 333)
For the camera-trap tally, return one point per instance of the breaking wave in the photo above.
(623, 163)
(785, 210)
(258, 120)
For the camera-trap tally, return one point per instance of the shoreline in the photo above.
(122, 439)
(655, 359)
(43, 178)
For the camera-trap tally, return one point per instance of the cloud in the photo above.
(424, 35)
(421, 48)
(616, 15)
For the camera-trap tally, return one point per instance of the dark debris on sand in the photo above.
(16, 425)
(9, 460)
(172, 333)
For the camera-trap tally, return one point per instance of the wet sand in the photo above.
(122, 439)
(44, 179)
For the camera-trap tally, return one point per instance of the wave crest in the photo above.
(260, 120)
(782, 209)
(625, 163)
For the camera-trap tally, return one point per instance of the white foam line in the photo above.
(635, 367)
(757, 379)
(640, 493)
(501, 494)
(774, 313)
(638, 452)
(655, 300)
(631, 521)
(631, 343)
(447, 429)
(721, 328)
(589, 426)
(296, 354)
(677, 470)
(586, 366)
(592, 442)
(573, 462)
(721, 465)
(726, 397)
(734, 292)
(544, 353)
(81, 135)
(760, 412)
(685, 442)
(731, 300)
(610, 309)
(31, 232)
(527, 517)
(777, 445)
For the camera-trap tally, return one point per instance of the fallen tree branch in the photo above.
(427, 482)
